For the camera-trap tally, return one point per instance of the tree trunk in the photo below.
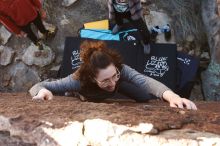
(211, 77)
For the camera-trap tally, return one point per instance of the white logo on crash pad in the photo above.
(75, 59)
(157, 66)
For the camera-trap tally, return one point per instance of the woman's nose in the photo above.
(112, 82)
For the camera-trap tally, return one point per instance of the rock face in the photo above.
(210, 77)
(66, 121)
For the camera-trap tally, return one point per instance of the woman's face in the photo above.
(107, 78)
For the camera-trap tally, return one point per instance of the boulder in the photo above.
(6, 55)
(45, 57)
(159, 19)
(66, 121)
(205, 56)
(4, 35)
(22, 77)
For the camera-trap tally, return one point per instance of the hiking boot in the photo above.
(116, 29)
(154, 32)
(147, 48)
(50, 34)
(167, 32)
(39, 45)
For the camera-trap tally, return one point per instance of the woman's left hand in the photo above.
(178, 102)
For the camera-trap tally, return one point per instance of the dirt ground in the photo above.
(24, 111)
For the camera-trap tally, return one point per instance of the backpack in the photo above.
(187, 67)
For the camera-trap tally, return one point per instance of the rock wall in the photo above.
(66, 121)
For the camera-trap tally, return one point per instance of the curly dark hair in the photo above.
(96, 55)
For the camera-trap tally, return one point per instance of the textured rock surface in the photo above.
(67, 3)
(4, 35)
(67, 121)
(210, 77)
(22, 77)
(159, 19)
(6, 55)
(29, 57)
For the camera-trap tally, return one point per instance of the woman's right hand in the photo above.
(43, 94)
(43, 14)
(22, 34)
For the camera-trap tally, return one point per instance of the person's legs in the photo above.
(144, 32)
(30, 34)
(119, 21)
(134, 92)
(39, 24)
(119, 18)
(27, 29)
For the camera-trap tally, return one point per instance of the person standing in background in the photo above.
(131, 10)
(18, 15)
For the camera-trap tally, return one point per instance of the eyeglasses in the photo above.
(114, 78)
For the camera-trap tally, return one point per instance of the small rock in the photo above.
(205, 55)
(6, 80)
(30, 58)
(6, 55)
(1, 49)
(64, 21)
(67, 3)
(55, 68)
(182, 112)
(179, 48)
(198, 53)
(4, 35)
(144, 1)
(190, 38)
(17, 59)
(191, 52)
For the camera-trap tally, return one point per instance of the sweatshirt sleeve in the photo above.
(151, 85)
(58, 86)
(9, 24)
(37, 4)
